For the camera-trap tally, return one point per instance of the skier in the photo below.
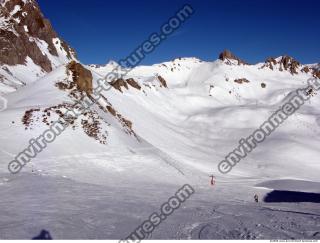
(213, 181)
(256, 198)
(210, 88)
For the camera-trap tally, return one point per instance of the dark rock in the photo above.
(133, 83)
(81, 76)
(111, 110)
(15, 42)
(162, 81)
(228, 55)
(118, 83)
(305, 69)
(286, 63)
(316, 73)
(241, 80)
(290, 64)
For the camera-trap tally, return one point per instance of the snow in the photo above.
(16, 9)
(56, 61)
(184, 131)
(30, 72)
(292, 185)
(22, 74)
(6, 25)
(62, 54)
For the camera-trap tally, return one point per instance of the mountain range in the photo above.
(156, 128)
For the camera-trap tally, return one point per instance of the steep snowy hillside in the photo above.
(110, 164)
(29, 47)
(162, 126)
(209, 106)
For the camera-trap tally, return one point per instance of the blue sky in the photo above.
(101, 30)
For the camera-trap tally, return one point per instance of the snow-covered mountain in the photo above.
(29, 47)
(156, 128)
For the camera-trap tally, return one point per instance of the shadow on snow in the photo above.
(291, 196)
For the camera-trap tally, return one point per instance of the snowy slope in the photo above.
(182, 133)
(212, 120)
(159, 127)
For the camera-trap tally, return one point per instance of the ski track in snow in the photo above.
(64, 206)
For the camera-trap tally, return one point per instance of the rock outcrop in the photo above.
(24, 30)
(118, 83)
(162, 81)
(290, 64)
(283, 63)
(241, 80)
(133, 83)
(81, 76)
(305, 69)
(228, 56)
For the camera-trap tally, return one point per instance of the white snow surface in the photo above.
(81, 189)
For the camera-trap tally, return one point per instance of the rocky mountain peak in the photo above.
(229, 57)
(26, 33)
(283, 63)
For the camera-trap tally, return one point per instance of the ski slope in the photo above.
(78, 188)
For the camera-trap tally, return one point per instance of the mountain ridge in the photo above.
(28, 39)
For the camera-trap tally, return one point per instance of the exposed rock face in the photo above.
(81, 76)
(284, 63)
(162, 81)
(111, 110)
(270, 62)
(290, 64)
(133, 83)
(241, 80)
(315, 70)
(118, 83)
(305, 70)
(22, 27)
(122, 84)
(228, 56)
